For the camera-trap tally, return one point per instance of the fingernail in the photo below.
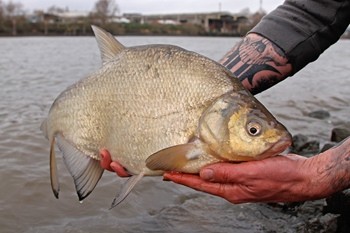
(207, 174)
(166, 177)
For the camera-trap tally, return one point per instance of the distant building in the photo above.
(62, 17)
(222, 22)
(73, 16)
(119, 19)
(134, 17)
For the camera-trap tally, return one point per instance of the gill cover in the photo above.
(238, 127)
(213, 124)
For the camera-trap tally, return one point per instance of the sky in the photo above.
(156, 6)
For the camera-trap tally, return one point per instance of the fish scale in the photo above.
(156, 108)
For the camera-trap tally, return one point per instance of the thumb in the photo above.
(221, 173)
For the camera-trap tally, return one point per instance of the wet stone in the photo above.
(323, 224)
(310, 147)
(298, 141)
(339, 134)
(327, 146)
(301, 145)
(319, 114)
(218, 215)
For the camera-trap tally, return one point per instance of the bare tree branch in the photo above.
(105, 9)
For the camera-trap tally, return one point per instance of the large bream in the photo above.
(156, 108)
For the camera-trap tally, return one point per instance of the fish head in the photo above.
(237, 127)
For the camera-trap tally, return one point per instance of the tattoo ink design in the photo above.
(257, 62)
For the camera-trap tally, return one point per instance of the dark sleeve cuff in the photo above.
(303, 29)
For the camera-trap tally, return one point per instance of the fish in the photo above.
(156, 108)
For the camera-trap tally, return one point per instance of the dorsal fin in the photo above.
(107, 44)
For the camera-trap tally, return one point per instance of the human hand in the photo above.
(269, 180)
(285, 178)
(276, 179)
(107, 163)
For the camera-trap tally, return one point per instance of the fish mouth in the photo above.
(278, 147)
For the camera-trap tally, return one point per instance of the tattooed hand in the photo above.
(257, 62)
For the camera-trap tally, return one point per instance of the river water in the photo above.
(33, 71)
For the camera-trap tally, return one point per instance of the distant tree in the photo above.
(1, 16)
(13, 11)
(1, 10)
(105, 9)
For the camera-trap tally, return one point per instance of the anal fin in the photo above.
(126, 189)
(85, 170)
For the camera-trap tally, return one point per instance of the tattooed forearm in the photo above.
(257, 62)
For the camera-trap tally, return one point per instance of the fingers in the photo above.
(192, 181)
(183, 178)
(223, 173)
(247, 171)
(119, 169)
(218, 173)
(107, 163)
(105, 160)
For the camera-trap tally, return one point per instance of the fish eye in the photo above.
(254, 128)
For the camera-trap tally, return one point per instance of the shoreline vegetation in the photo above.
(130, 29)
(133, 29)
(58, 21)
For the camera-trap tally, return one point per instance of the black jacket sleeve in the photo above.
(304, 29)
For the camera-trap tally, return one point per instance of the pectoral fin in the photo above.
(85, 170)
(174, 158)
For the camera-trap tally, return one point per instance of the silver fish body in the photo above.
(154, 108)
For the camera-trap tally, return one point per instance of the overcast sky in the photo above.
(156, 6)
